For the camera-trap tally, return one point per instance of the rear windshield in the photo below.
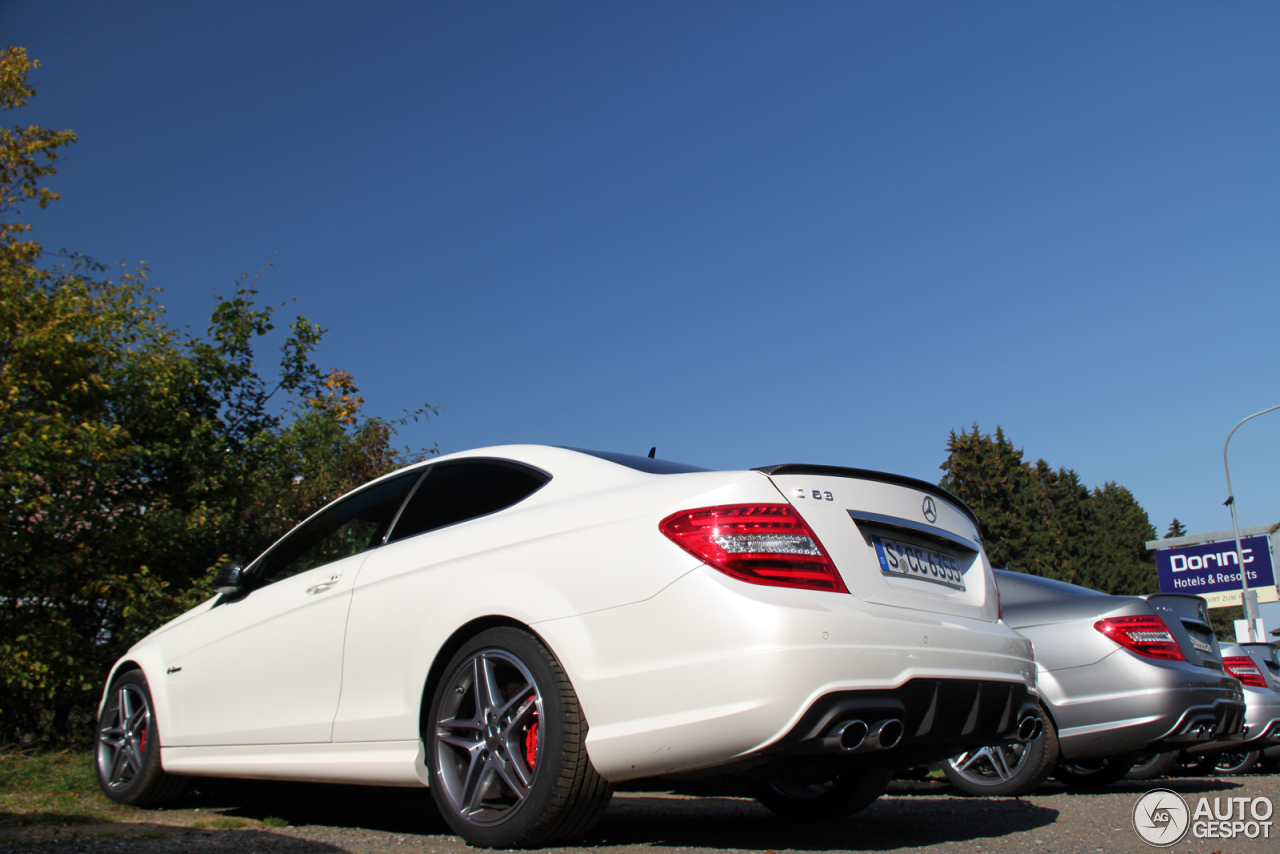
(644, 464)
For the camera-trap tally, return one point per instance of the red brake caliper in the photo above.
(531, 742)
(142, 742)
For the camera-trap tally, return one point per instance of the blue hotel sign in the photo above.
(1212, 567)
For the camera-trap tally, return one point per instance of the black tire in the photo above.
(803, 799)
(506, 746)
(128, 750)
(1151, 765)
(916, 772)
(1198, 764)
(1233, 762)
(1094, 773)
(1005, 769)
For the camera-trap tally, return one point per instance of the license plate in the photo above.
(909, 561)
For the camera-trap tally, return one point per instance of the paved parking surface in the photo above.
(913, 817)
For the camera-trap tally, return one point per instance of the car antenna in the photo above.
(653, 451)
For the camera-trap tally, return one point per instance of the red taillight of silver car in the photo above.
(1147, 635)
(757, 543)
(1245, 669)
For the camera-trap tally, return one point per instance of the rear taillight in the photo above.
(760, 543)
(1243, 668)
(1145, 635)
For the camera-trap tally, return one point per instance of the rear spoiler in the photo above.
(882, 477)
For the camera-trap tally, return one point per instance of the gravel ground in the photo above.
(916, 817)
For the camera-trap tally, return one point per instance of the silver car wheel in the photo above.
(990, 766)
(486, 737)
(122, 739)
(1234, 762)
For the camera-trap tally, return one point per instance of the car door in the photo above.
(390, 610)
(265, 667)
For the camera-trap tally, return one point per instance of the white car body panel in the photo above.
(383, 763)
(414, 593)
(267, 669)
(857, 560)
(678, 667)
(706, 670)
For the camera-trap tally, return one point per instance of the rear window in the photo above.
(455, 492)
(644, 464)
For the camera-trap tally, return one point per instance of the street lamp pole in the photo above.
(1249, 616)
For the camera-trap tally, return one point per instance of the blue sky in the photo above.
(746, 233)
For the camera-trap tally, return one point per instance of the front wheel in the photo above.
(506, 746)
(1005, 769)
(128, 754)
(804, 799)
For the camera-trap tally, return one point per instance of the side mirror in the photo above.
(230, 579)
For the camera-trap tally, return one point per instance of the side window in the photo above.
(455, 492)
(355, 523)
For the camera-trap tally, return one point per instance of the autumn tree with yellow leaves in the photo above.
(133, 458)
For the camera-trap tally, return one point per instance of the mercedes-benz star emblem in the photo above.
(930, 509)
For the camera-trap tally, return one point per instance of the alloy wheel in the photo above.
(989, 766)
(486, 737)
(122, 741)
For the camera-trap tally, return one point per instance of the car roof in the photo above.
(1017, 588)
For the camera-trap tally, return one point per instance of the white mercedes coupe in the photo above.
(521, 627)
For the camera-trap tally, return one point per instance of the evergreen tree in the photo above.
(1116, 559)
(1060, 524)
(988, 474)
(1045, 521)
(1176, 529)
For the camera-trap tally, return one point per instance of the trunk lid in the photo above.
(1187, 617)
(895, 540)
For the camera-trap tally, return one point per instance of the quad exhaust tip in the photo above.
(851, 735)
(886, 734)
(1030, 728)
(857, 737)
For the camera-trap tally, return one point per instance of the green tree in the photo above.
(1059, 521)
(1116, 559)
(1176, 529)
(988, 474)
(1223, 621)
(135, 457)
(1044, 521)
